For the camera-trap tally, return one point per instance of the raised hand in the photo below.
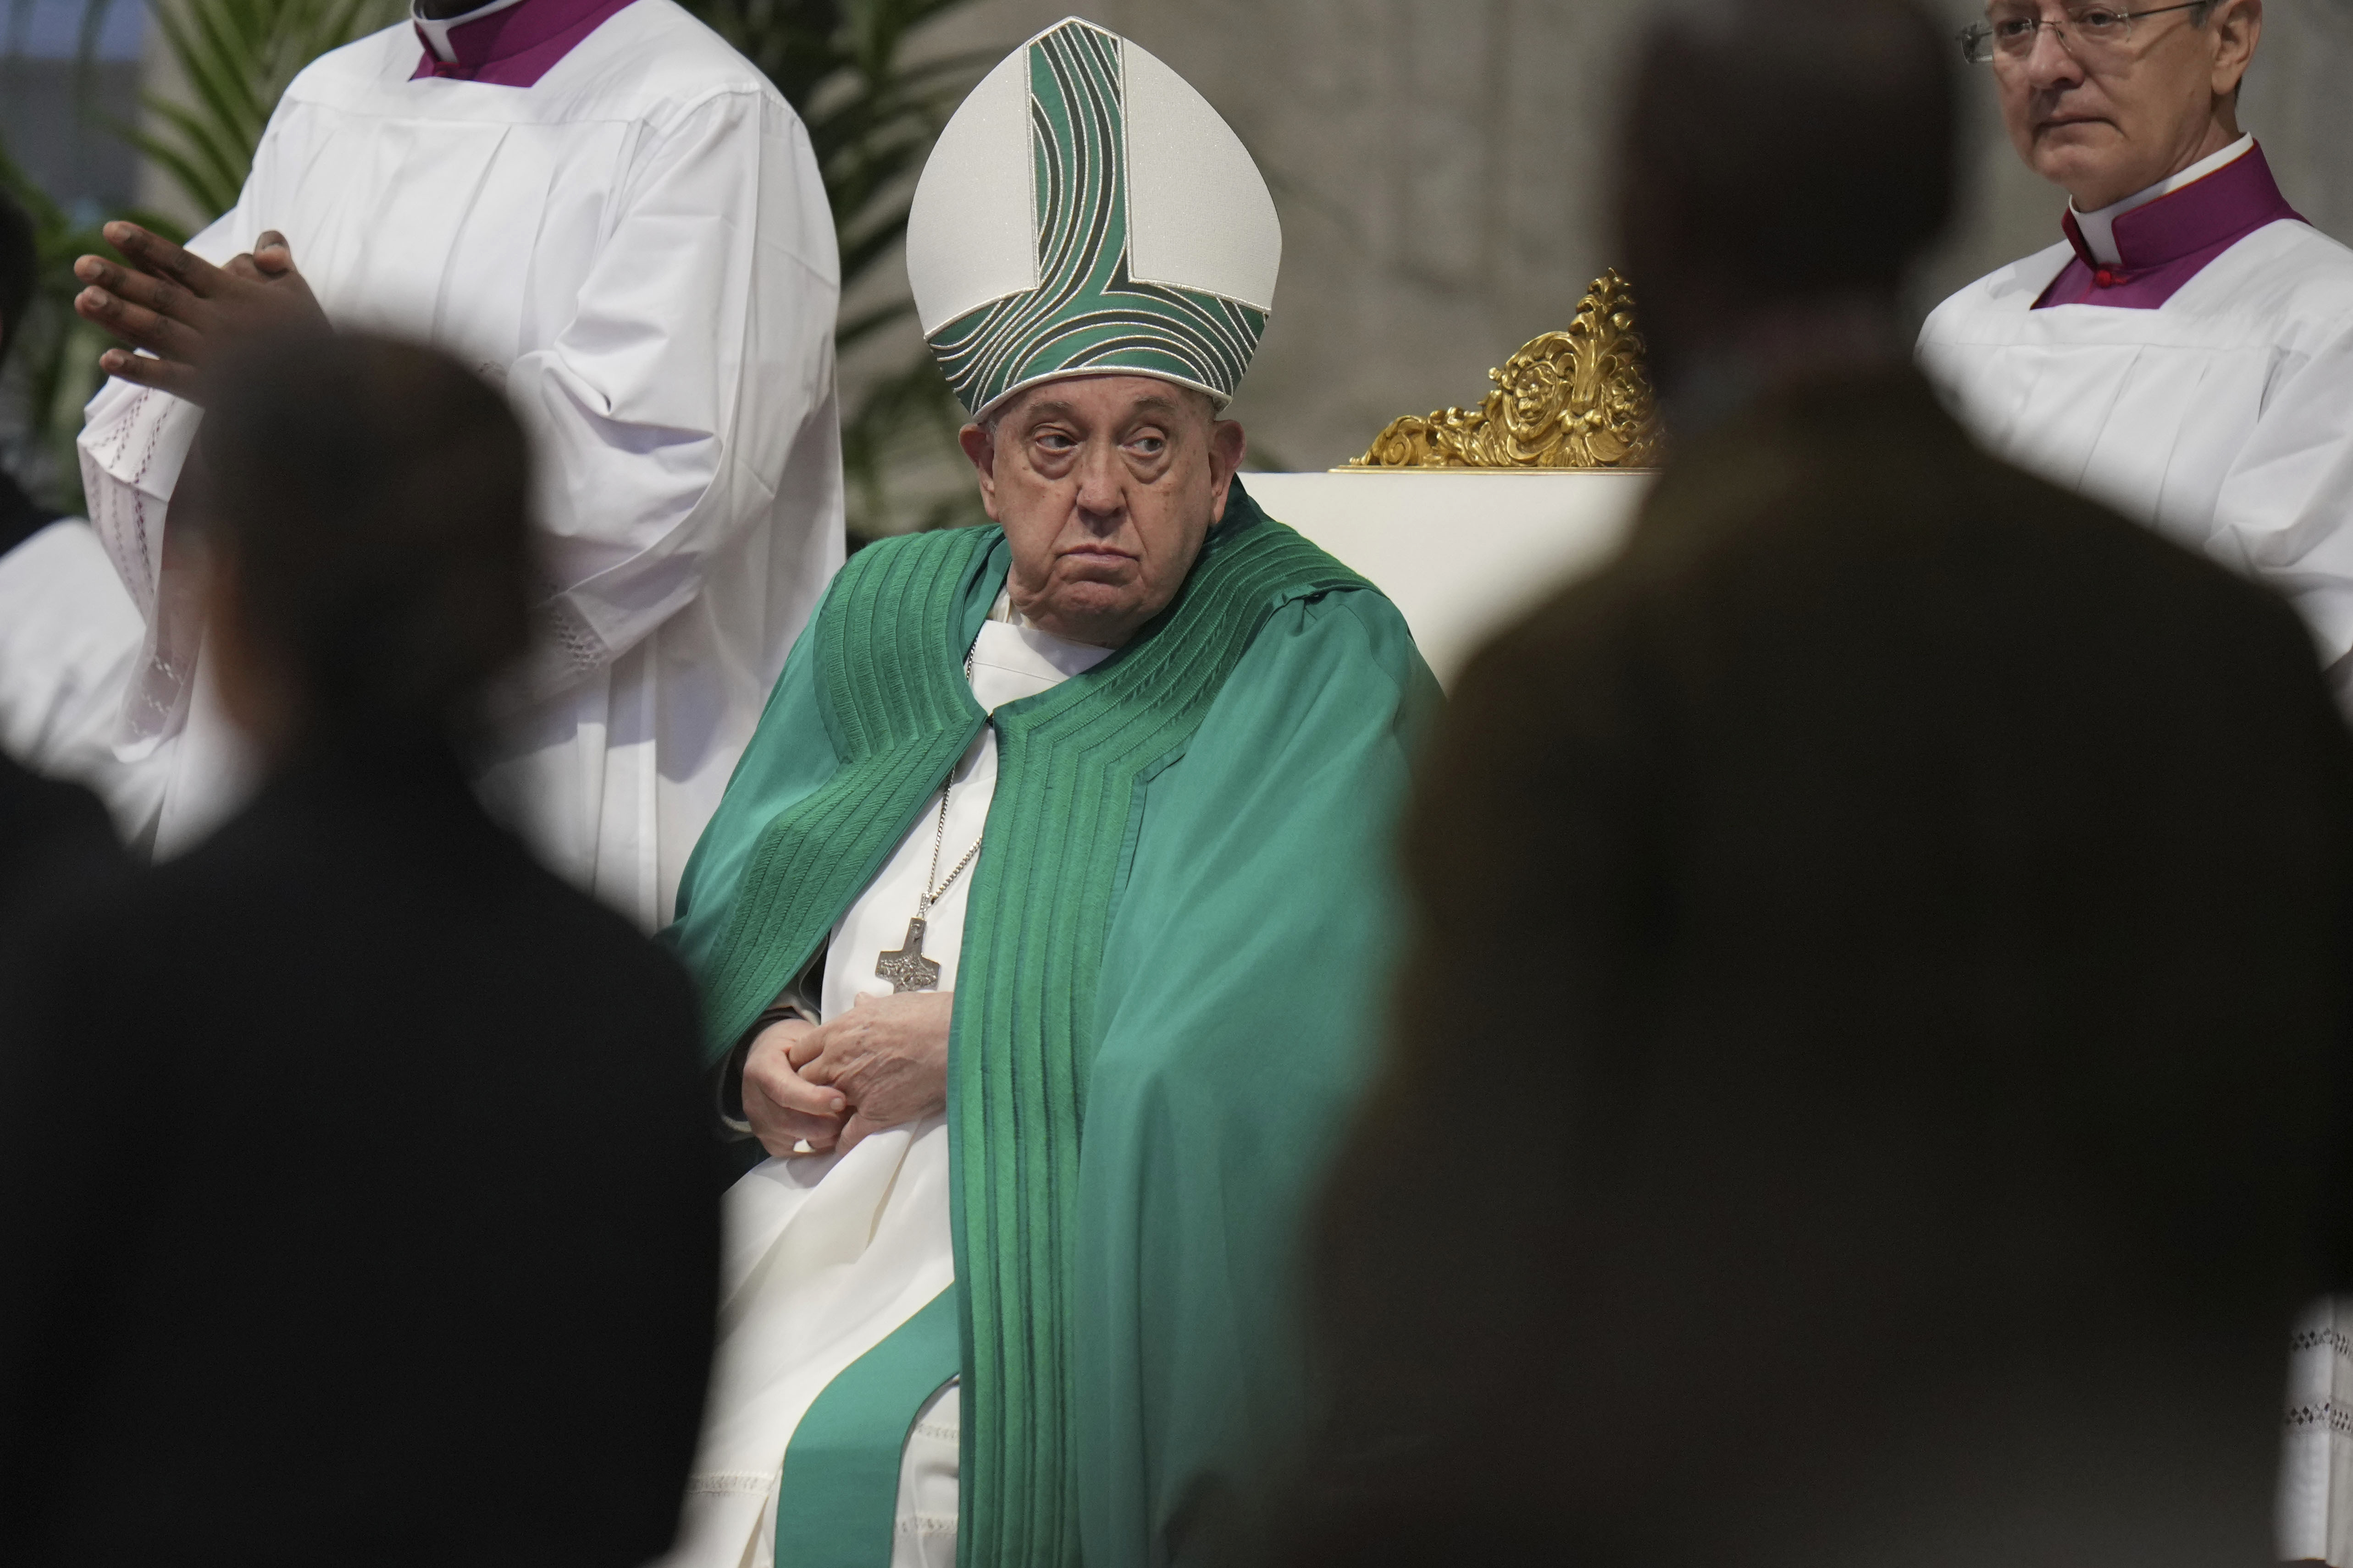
(181, 309)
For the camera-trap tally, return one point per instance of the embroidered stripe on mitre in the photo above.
(1085, 309)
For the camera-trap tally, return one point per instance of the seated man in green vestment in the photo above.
(1041, 929)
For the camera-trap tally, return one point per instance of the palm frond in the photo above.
(236, 57)
(871, 115)
(54, 362)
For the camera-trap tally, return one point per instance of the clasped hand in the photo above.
(884, 1062)
(182, 309)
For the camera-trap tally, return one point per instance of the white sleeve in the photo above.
(133, 443)
(2285, 511)
(663, 413)
(2315, 1508)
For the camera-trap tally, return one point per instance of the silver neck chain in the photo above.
(939, 838)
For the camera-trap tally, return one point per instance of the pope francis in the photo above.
(1038, 927)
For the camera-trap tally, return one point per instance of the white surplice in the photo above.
(827, 1254)
(637, 248)
(2223, 418)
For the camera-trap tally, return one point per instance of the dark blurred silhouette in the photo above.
(54, 837)
(1881, 945)
(55, 844)
(69, 633)
(357, 1205)
(20, 516)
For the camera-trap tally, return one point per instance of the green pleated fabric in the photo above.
(1070, 764)
(899, 712)
(1160, 1016)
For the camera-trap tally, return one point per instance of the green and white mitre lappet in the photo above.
(1086, 210)
(1052, 1326)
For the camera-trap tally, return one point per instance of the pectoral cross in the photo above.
(908, 969)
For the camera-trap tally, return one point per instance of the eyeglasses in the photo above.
(2090, 33)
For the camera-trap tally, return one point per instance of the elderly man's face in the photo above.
(1106, 486)
(2105, 121)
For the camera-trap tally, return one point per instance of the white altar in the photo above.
(1469, 518)
(1461, 551)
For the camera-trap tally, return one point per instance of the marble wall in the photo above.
(1439, 168)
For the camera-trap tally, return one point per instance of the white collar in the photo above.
(437, 32)
(1003, 609)
(1012, 660)
(1082, 656)
(2099, 228)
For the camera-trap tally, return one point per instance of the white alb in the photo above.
(639, 249)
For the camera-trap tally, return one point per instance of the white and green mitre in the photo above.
(1087, 213)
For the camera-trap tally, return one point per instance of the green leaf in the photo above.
(871, 117)
(236, 56)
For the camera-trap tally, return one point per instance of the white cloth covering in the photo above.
(2223, 418)
(827, 1254)
(68, 640)
(638, 247)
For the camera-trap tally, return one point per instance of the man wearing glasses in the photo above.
(2186, 352)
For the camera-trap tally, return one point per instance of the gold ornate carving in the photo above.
(1577, 399)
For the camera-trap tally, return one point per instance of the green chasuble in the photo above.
(1174, 954)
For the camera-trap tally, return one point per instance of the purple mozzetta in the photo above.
(2165, 243)
(516, 46)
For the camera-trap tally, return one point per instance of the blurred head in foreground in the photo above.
(1781, 168)
(363, 504)
(1857, 1093)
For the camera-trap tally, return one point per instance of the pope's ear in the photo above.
(980, 446)
(1228, 442)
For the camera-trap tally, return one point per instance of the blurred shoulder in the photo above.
(1814, 517)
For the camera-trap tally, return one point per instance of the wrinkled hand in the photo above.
(182, 309)
(887, 1056)
(784, 1109)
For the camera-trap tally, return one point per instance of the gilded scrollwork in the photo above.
(1574, 399)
